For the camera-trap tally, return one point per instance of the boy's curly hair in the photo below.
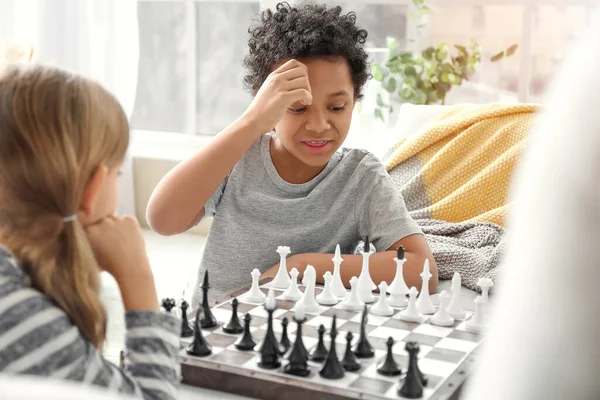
(309, 30)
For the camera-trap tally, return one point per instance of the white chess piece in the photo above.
(382, 308)
(477, 321)
(282, 279)
(292, 293)
(365, 283)
(411, 313)
(337, 286)
(455, 309)
(326, 297)
(424, 303)
(485, 284)
(442, 317)
(255, 295)
(352, 302)
(308, 299)
(398, 289)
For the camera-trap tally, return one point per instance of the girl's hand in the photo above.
(286, 85)
(118, 244)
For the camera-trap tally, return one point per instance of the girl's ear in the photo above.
(92, 190)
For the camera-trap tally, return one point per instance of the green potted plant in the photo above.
(426, 77)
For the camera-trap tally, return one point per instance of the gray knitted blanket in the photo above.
(474, 249)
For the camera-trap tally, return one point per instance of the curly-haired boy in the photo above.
(278, 175)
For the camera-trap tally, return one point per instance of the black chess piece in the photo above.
(412, 387)
(400, 253)
(208, 319)
(297, 364)
(367, 245)
(168, 304)
(122, 359)
(320, 352)
(234, 326)
(332, 368)
(349, 362)
(199, 347)
(186, 330)
(285, 342)
(363, 348)
(269, 349)
(389, 367)
(299, 335)
(246, 342)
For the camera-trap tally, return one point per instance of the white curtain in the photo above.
(95, 38)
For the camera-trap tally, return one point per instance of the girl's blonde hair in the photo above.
(56, 128)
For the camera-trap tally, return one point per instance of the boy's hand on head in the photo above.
(285, 86)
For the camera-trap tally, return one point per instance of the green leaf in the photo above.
(418, 3)
(511, 50)
(379, 114)
(379, 100)
(391, 43)
(428, 53)
(460, 48)
(391, 85)
(497, 57)
(421, 26)
(377, 75)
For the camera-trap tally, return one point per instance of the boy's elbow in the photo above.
(159, 220)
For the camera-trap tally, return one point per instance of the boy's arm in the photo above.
(381, 264)
(178, 201)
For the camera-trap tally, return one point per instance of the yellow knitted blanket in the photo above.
(458, 168)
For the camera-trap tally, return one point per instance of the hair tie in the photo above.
(70, 218)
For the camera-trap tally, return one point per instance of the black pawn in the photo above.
(285, 342)
(199, 347)
(234, 326)
(412, 387)
(299, 338)
(363, 348)
(320, 352)
(349, 362)
(186, 330)
(332, 369)
(269, 349)
(297, 364)
(246, 342)
(389, 367)
(208, 320)
(168, 304)
(367, 245)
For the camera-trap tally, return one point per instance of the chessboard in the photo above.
(445, 356)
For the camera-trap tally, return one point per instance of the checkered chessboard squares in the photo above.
(442, 349)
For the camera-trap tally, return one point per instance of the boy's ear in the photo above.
(92, 190)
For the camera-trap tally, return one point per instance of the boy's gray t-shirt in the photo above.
(254, 211)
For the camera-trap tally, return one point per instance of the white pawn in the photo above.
(308, 299)
(382, 308)
(255, 295)
(411, 313)
(292, 293)
(477, 321)
(398, 289)
(327, 298)
(441, 317)
(352, 302)
(424, 301)
(485, 284)
(282, 279)
(455, 309)
(337, 286)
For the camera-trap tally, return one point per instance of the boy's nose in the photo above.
(317, 123)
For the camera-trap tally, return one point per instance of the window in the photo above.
(191, 51)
